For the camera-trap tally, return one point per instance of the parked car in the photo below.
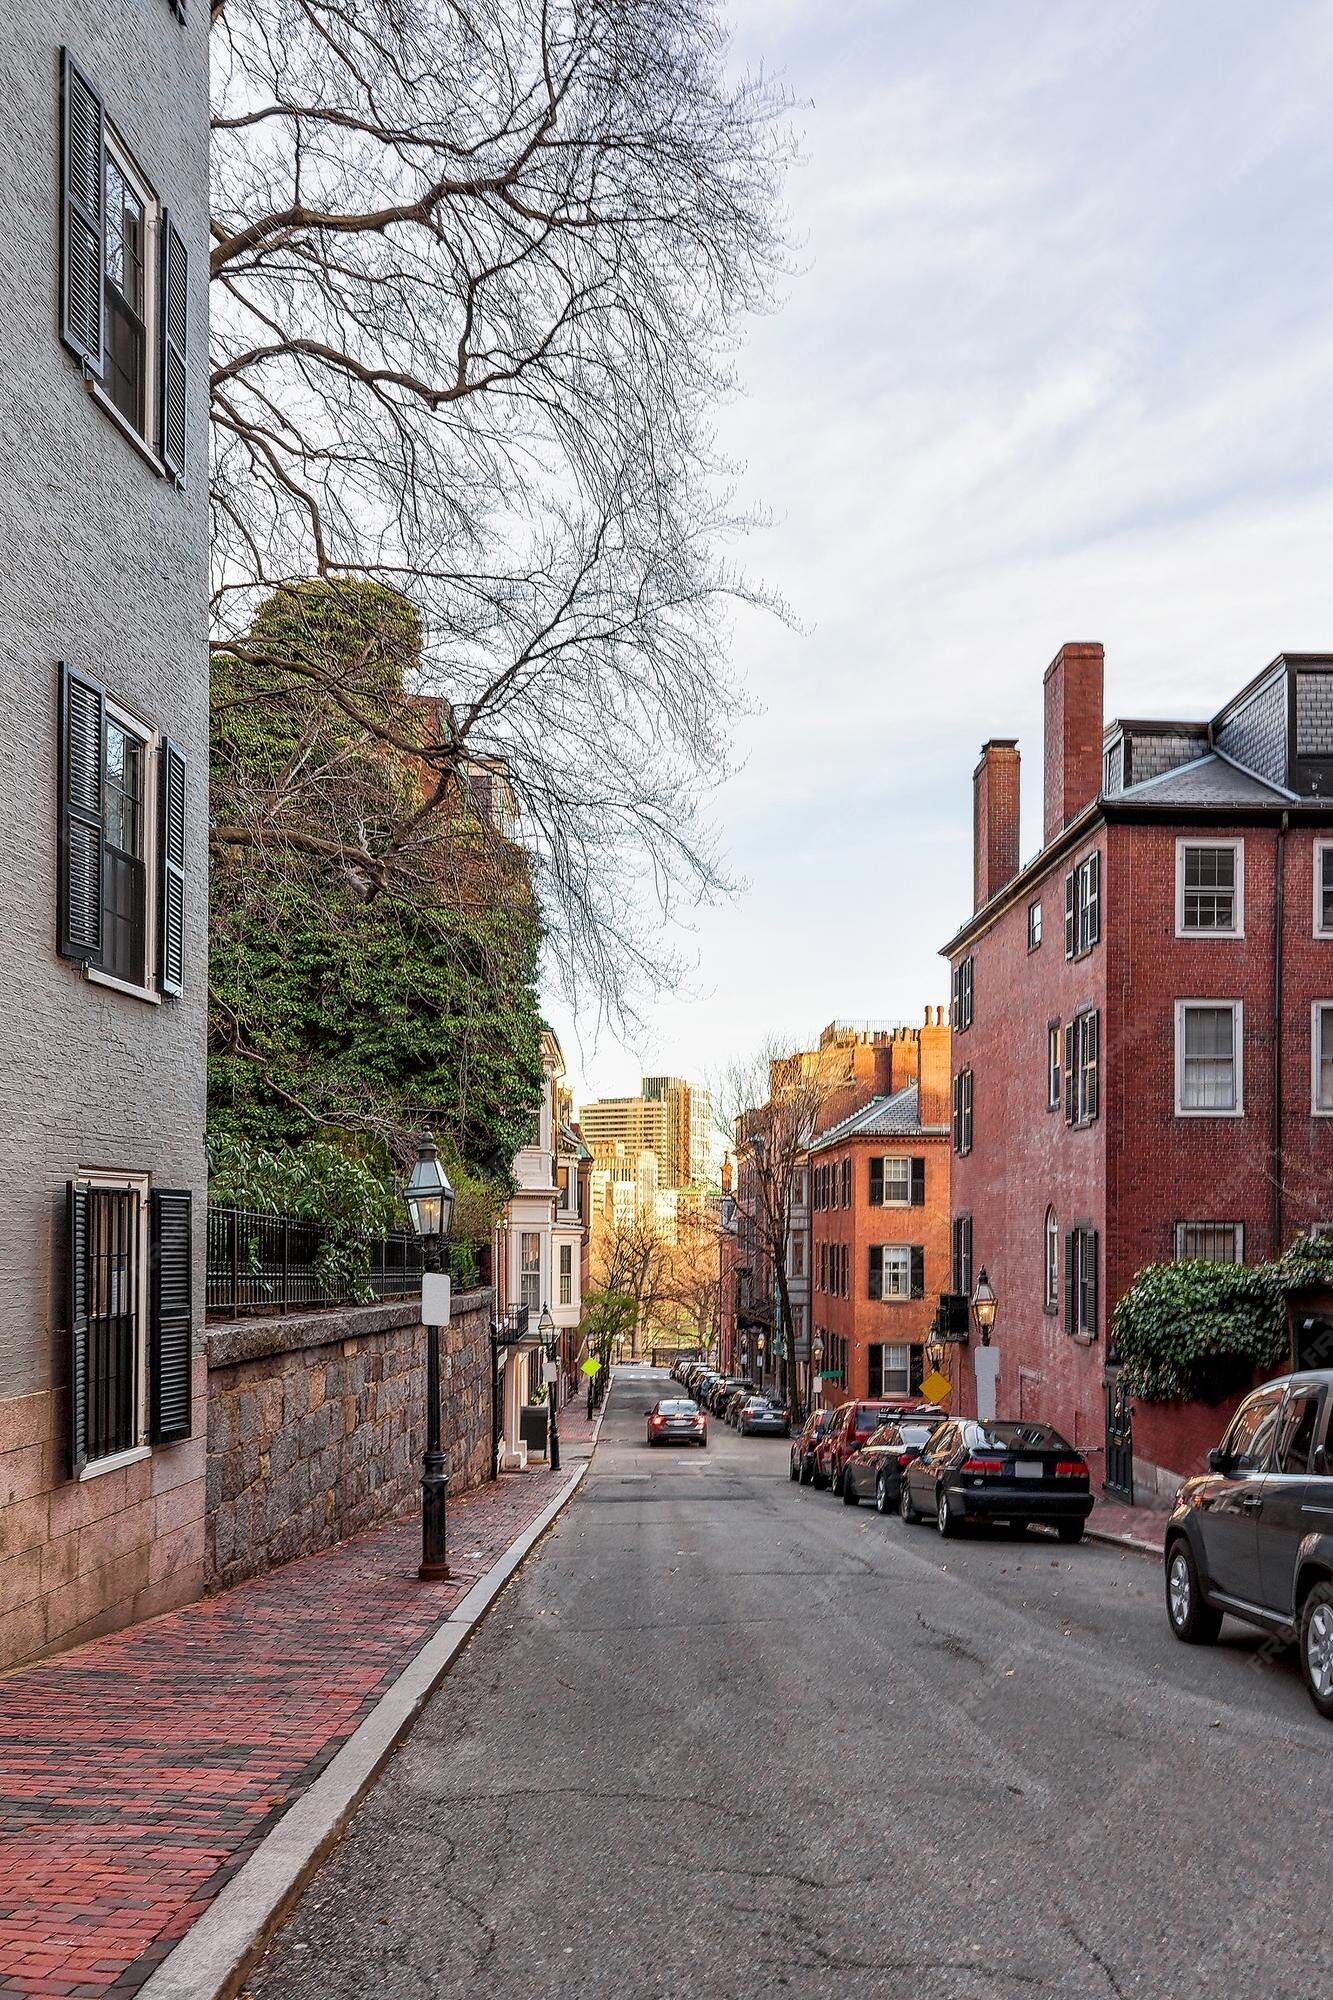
(875, 1469)
(720, 1392)
(757, 1417)
(851, 1426)
(731, 1404)
(803, 1461)
(676, 1420)
(1253, 1536)
(998, 1471)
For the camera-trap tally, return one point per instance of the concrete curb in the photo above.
(215, 1955)
(1139, 1547)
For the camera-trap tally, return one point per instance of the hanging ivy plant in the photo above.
(1197, 1332)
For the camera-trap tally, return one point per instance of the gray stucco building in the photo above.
(103, 800)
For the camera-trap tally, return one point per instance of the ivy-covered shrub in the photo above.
(350, 1199)
(1195, 1331)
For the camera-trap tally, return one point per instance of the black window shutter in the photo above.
(1094, 896)
(83, 216)
(1092, 1059)
(76, 1309)
(1090, 1275)
(918, 1182)
(171, 870)
(876, 1183)
(1071, 1071)
(916, 1371)
(1071, 914)
(876, 1271)
(173, 305)
(918, 1271)
(82, 768)
(1071, 1281)
(171, 1252)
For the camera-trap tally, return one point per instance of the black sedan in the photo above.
(998, 1471)
(760, 1418)
(875, 1470)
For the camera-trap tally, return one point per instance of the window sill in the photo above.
(1084, 1339)
(1236, 1111)
(1213, 937)
(122, 986)
(126, 429)
(113, 1464)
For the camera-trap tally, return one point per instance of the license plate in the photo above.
(1028, 1468)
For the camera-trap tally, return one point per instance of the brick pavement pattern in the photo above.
(140, 1771)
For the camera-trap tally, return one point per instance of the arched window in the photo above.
(1052, 1261)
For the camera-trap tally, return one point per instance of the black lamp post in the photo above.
(430, 1203)
(983, 1307)
(816, 1362)
(546, 1328)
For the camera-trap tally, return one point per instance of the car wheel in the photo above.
(1193, 1620)
(1317, 1647)
(804, 1473)
(819, 1479)
(1068, 1531)
(882, 1502)
(946, 1520)
(703, 1444)
(906, 1511)
(838, 1479)
(850, 1496)
(793, 1471)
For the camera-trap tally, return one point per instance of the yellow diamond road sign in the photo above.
(592, 1367)
(935, 1388)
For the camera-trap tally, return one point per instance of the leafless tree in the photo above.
(478, 275)
(634, 1258)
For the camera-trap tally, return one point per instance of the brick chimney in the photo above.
(994, 819)
(1073, 748)
(935, 1069)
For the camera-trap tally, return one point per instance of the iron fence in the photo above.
(262, 1263)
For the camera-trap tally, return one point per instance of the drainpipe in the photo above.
(1279, 913)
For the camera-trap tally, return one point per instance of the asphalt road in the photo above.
(724, 1736)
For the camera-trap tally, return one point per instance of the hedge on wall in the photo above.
(1196, 1331)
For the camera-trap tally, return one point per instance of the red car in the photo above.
(851, 1426)
(804, 1443)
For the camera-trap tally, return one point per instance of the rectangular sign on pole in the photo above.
(550, 1373)
(435, 1298)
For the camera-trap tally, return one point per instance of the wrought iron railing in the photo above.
(263, 1263)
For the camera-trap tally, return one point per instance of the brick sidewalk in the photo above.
(139, 1771)
(1144, 1525)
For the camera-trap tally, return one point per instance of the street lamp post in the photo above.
(430, 1203)
(760, 1347)
(816, 1358)
(984, 1303)
(546, 1328)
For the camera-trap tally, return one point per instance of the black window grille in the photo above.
(111, 1422)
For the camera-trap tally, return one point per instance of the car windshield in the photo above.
(677, 1409)
(1018, 1437)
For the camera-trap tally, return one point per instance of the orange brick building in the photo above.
(879, 1221)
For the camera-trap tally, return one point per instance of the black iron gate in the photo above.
(1119, 1443)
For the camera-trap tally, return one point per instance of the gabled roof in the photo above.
(572, 1143)
(896, 1117)
(1211, 780)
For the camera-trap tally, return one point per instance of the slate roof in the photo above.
(896, 1117)
(1211, 780)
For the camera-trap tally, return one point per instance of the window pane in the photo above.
(1210, 888)
(1212, 1242)
(1326, 888)
(897, 1271)
(897, 1180)
(1297, 1434)
(1325, 1058)
(1208, 1082)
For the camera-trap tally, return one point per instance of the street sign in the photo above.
(550, 1372)
(936, 1387)
(592, 1366)
(436, 1299)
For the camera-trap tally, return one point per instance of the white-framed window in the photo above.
(530, 1270)
(1051, 1290)
(130, 289)
(890, 1181)
(890, 1368)
(896, 1271)
(566, 1274)
(1210, 888)
(1210, 1059)
(1054, 1064)
(1323, 888)
(1321, 1058)
(1082, 1044)
(1083, 905)
(1034, 926)
(1210, 1242)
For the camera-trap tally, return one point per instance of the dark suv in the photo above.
(1253, 1536)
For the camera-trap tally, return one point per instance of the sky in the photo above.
(1057, 363)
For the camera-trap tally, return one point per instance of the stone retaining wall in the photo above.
(316, 1426)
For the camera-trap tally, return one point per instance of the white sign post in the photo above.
(986, 1361)
(436, 1298)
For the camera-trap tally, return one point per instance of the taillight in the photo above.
(1071, 1468)
(904, 1458)
(658, 1422)
(982, 1465)
(699, 1423)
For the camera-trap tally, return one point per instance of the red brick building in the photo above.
(1143, 1030)
(879, 1219)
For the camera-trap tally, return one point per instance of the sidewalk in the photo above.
(138, 1772)
(1141, 1528)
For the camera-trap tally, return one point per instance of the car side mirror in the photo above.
(1219, 1460)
